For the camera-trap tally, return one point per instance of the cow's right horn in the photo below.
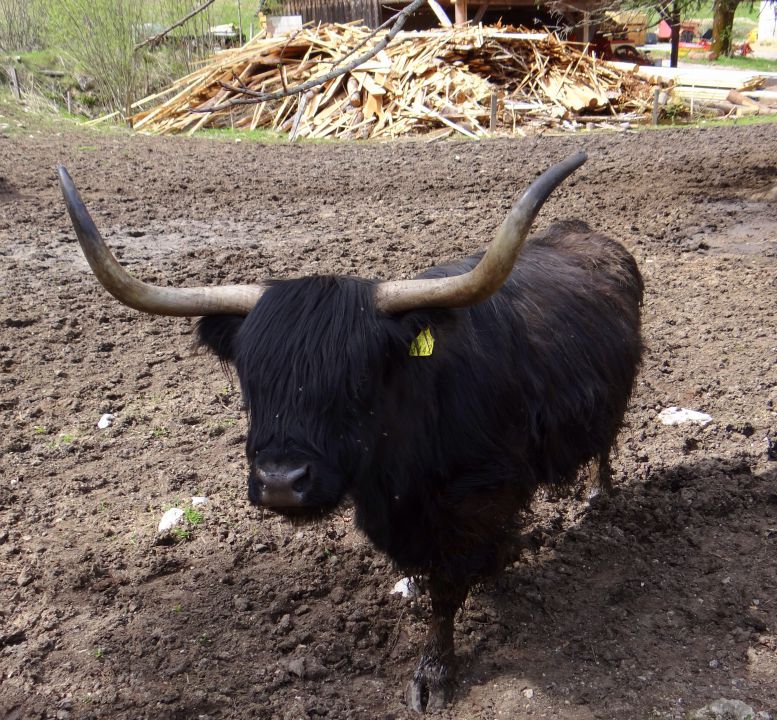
(185, 302)
(494, 267)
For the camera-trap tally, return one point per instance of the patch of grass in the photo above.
(40, 430)
(746, 120)
(743, 63)
(99, 653)
(230, 135)
(182, 533)
(160, 431)
(193, 516)
(36, 60)
(63, 439)
(177, 608)
(710, 122)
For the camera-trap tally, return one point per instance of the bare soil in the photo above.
(649, 603)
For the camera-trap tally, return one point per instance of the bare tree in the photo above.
(22, 25)
(251, 97)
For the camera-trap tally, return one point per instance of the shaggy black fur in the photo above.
(439, 452)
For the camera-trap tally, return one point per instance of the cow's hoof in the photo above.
(423, 693)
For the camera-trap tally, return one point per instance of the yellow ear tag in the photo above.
(423, 345)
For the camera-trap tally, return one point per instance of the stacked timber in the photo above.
(452, 80)
(722, 91)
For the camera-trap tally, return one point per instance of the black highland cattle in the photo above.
(439, 405)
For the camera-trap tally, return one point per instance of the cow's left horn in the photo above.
(219, 300)
(493, 269)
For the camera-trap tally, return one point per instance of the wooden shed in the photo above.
(374, 12)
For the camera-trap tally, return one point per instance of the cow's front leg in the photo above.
(434, 678)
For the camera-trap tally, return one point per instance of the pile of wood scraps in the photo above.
(454, 80)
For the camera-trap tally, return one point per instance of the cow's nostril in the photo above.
(299, 478)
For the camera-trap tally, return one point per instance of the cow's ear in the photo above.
(218, 333)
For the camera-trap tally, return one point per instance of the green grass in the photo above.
(194, 517)
(742, 63)
(746, 120)
(229, 135)
(63, 439)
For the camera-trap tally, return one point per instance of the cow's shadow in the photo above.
(659, 594)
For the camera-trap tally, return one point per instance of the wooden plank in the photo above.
(368, 83)
(442, 16)
(373, 106)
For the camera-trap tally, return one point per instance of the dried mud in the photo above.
(649, 603)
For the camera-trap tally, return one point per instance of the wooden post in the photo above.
(492, 124)
(239, 24)
(460, 17)
(69, 103)
(586, 27)
(15, 82)
(480, 13)
(656, 94)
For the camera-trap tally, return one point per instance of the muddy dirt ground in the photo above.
(650, 603)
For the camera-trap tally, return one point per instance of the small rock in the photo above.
(198, 500)
(337, 595)
(106, 421)
(677, 416)
(242, 604)
(407, 587)
(528, 693)
(723, 709)
(714, 664)
(24, 579)
(285, 624)
(314, 669)
(297, 667)
(170, 519)
(63, 714)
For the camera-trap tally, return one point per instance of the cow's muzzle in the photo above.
(282, 486)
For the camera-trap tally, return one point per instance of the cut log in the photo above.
(734, 96)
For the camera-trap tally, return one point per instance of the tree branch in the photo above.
(156, 38)
(253, 97)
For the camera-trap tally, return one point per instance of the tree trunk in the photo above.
(722, 26)
(675, 25)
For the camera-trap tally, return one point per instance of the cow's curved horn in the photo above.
(219, 300)
(495, 266)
